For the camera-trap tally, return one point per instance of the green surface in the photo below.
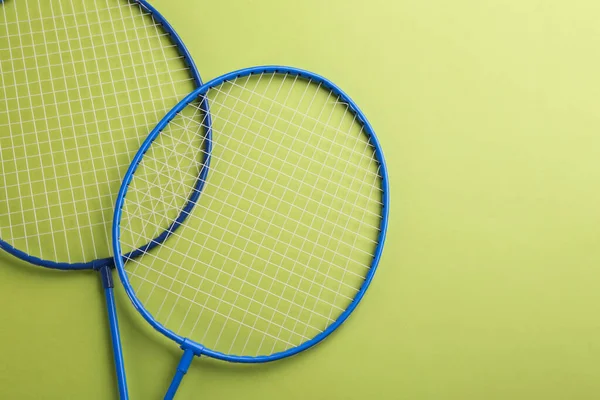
(489, 283)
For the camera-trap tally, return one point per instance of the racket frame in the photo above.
(190, 346)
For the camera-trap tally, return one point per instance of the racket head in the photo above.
(213, 134)
(121, 51)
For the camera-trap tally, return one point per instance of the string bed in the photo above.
(82, 84)
(285, 229)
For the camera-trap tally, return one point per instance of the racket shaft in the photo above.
(115, 336)
(182, 368)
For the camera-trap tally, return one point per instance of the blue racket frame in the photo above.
(103, 266)
(190, 347)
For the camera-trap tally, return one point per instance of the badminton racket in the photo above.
(82, 83)
(283, 241)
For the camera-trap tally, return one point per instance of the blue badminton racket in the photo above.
(82, 83)
(283, 241)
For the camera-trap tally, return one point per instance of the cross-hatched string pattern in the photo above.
(285, 230)
(82, 83)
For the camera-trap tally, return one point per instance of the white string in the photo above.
(13, 155)
(158, 227)
(89, 25)
(299, 127)
(328, 212)
(306, 117)
(76, 75)
(74, 14)
(303, 212)
(292, 151)
(237, 204)
(220, 271)
(170, 189)
(265, 333)
(283, 233)
(345, 267)
(304, 197)
(270, 223)
(84, 83)
(329, 181)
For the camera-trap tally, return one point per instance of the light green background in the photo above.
(489, 286)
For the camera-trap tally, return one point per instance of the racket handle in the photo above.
(106, 274)
(182, 368)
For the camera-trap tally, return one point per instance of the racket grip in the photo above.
(182, 368)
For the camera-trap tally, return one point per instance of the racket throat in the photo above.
(106, 277)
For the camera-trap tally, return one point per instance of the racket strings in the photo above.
(309, 172)
(182, 297)
(152, 209)
(306, 144)
(184, 283)
(208, 265)
(284, 231)
(32, 135)
(99, 10)
(127, 67)
(252, 328)
(340, 282)
(327, 245)
(144, 211)
(147, 213)
(84, 83)
(283, 106)
(252, 202)
(80, 39)
(329, 181)
(106, 200)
